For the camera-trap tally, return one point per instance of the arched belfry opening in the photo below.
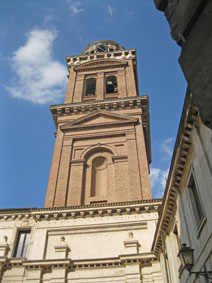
(90, 87)
(111, 84)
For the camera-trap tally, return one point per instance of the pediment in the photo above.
(98, 118)
(101, 63)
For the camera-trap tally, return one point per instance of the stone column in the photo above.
(76, 183)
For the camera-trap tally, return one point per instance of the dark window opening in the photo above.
(90, 87)
(98, 201)
(22, 243)
(111, 84)
(101, 48)
(195, 201)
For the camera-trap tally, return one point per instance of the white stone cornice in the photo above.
(122, 260)
(76, 60)
(46, 214)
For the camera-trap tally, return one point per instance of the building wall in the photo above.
(119, 138)
(93, 244)
(197, 235)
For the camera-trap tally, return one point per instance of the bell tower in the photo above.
(102, 149)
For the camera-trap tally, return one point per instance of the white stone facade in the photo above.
(107, 243)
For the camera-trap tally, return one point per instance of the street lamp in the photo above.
(186, 255)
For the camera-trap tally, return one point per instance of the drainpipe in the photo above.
(164, 257)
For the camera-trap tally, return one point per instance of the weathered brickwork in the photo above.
(102, 128)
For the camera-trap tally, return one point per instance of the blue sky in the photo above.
(35, 37)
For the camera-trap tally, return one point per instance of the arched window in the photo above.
(111, 84)
(90, 87)
(99, 177)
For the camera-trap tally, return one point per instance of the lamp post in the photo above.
(186, 255)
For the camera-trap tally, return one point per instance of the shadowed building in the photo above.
(185, 223)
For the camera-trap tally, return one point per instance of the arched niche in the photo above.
(99, 175)
(98, 148)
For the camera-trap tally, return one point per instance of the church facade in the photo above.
(99, 219)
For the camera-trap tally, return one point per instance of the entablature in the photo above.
(121, 260)
(93, 210)
(79, 59)
(109, 104)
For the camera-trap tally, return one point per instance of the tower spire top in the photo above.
(102, 46)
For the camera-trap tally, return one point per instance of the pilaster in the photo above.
(76, 182)
(133, 169)
(52, 185)
(63, 176)
(100, 86)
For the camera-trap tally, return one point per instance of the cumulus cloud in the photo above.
(38, 77)
(166, 147)
(158, 181)
(75, 7)
(110, 10)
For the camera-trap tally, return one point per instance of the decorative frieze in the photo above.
(109, 104)
(94, 210)
(48, 265)
(78, 60)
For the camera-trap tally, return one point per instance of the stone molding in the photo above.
(80, 123)
(101, 65)
(178, 166)
(84, 58)
(94, 210)
(121, 260)
(107, 104)
(113, 104)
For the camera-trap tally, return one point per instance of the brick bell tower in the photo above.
(102, 150)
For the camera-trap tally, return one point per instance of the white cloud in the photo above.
(38, 77)
(48, 18)
(110, 10)
(75, 7)
(154, 174)
(167, 147)
(158, 181)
